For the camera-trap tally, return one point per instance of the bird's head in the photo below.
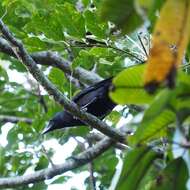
(61, 120)
(56, 122)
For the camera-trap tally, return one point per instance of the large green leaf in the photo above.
(129, 88)
(161, 101)
(136, 165)
(182, 101)
(122, 13)
(173, 177)
(153, 128)
(156, 118)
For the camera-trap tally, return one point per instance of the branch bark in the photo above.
(54, 59)
(14, 119)
(70, 106)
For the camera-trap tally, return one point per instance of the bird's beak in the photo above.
(47, 128)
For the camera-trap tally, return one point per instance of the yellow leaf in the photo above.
(170, 39)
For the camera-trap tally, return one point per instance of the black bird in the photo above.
(93, 99)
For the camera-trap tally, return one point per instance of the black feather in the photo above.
(93, 99)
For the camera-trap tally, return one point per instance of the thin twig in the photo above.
(92, 178)
(142, 45)
(182, 145)
(91, 171)
(109, 46)
(41, 99)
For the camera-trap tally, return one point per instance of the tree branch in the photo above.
(70, 106)
(14, 119)
(55, 60)
(92, 178)
(95, 137)
(72, 163)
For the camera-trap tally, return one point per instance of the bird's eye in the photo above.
(51, 120)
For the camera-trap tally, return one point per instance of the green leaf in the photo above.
(39, 122)
(18, 13)
(37, 186)
(3, 77)
(122, 13)
(17, 65)
(78, 131)
(129, 88)
(58, 78)
(86, 2)
(161, 101)
(84, 59)
(36, 44)
(136, 165)
(183, 78)
(173, 177)
(61, 180)
(101, 52)
(114, 117)
(12, 138)
(42, 20)
(153, 128)
(182, 102)
(43, 163)
(71, 20)
(3, 74)
(93, 25)
(106, 171)
(2, 160)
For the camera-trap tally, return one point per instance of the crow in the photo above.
(93, 99)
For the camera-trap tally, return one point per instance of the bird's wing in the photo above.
(88, 90)
(90, 102)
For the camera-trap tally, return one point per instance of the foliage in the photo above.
(114, 36)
